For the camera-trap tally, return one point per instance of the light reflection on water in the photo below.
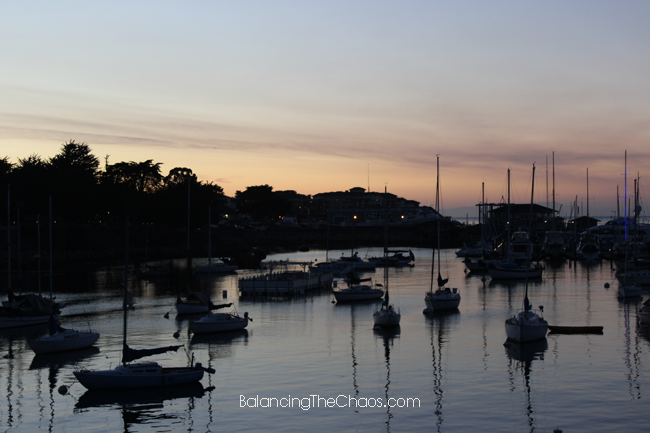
(455, 364)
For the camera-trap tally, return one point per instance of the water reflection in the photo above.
(439, 324)
(143, 406)
(387, 337)
(632, 352)
(219, 345)
(521, 358)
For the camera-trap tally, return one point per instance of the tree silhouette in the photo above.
(30, 179)
(74, 175)
(262, 203)
(140, 177)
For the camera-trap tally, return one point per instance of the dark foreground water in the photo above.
(321, 367)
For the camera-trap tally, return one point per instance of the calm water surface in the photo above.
(454, 368)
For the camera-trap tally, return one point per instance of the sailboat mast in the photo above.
(530, 234)
(618, 203)
(553, 190)
(51, 284)
(625, 197)
(508, 222)
(209, 237)
(9, 237)
(481, 220)
(530, 216)
(126, 285)
(38, 219)
(438, 206)
(386, 267)
(587, 199)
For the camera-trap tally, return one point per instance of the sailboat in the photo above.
(139, 375)
(220, 322)
(213, 267)
(386, 316)
(357, 291)
(628, 288)
(196, 302)
(513, 268)
(527, 325)
(151, 271)
(443, 298)
(588, 248)
(20, 310)
(644, 312)
(60, 339)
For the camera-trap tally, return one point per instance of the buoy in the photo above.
(166, 316)
(177, 334)
(607, 285)
(63, 390)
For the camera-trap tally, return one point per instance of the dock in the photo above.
(285, 283)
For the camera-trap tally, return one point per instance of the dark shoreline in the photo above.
(81, 244)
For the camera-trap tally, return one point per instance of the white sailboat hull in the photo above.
(442, 300)
(63, 341)
(629, 291)
(386, 318)
(636, 277)
(143, 375)
(526, 327)
(218, 322)
(358, 293)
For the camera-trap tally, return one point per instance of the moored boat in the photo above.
(219, 322)
(640, 277)
(527, 325)
(63, 340)
(215, 268)
(358, 292)
(629, 290)
(644, 312)
(443, 298)
(139, 375)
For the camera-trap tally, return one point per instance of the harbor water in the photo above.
(307, 363)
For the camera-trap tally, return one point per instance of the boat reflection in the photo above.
(219, 345)
(387, 337)
(439, 324)
(145, 405)
(142, 398)
(521, 357)
(26, 332)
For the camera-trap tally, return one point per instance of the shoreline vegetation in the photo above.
(81, 244)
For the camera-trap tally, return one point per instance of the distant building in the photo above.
(520, 215)
(581, 224)
(369, 208)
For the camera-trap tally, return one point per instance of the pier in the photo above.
(285, 283)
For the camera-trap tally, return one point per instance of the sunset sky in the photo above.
(319, 96)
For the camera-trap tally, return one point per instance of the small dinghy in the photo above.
(575, 329)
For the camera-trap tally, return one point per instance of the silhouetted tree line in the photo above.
(84, 193)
